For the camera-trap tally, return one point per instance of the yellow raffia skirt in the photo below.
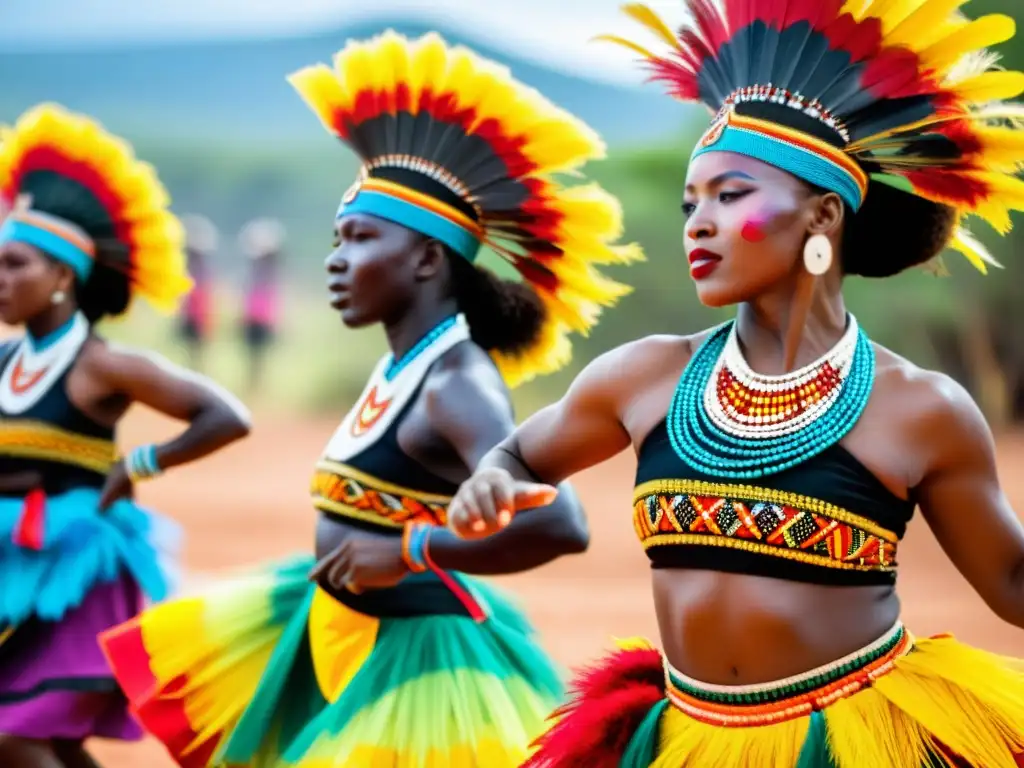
(898, 703)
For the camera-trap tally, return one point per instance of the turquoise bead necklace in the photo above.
(395, 367)
(708, 448)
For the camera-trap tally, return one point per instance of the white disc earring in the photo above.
(57, 297)
(818, 254)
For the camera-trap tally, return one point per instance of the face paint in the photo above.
(754, 229)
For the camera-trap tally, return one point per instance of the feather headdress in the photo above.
(850, 93)
(453, 147)
(55, 161)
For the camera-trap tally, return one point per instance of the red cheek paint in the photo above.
(754, 230)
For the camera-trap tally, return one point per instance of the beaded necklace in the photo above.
(395, 367)
(726, 420)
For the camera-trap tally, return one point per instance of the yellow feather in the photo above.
(973, 250)
(428, 65)
(1003, 148)
(891, 12)
(643, 14)
(621, 41)
(321, 91)
(855, 8)
(991, 86)
(981, 33)
(922, 26)
(1006, 193)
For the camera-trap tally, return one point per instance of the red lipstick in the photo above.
(703, 263)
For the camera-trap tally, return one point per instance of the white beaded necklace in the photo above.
(751, 405)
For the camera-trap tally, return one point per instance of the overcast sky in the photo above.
(552, 32)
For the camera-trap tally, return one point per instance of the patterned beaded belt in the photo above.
(743, 706)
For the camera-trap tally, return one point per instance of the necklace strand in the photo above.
(727, 420)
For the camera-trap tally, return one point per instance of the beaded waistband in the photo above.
(760, 521)
(27, 439)
(341, 490)
(743, 706)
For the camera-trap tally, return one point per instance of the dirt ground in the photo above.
(250, 503)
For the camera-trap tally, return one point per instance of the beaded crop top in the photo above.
(747, 473)
(799, 525)
(41, 430)
(364, 476)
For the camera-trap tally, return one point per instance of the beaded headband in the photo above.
(415, 208)
(807, 157)
(57, 237)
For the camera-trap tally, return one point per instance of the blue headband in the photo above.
(51, 235)
(415, 210)
(800, 154)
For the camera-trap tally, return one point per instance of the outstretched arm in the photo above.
(581, 430)
(965, 507)
(471, 413)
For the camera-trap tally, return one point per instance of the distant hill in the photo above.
(235, 90)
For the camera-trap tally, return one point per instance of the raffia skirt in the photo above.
(268, 669)
(897, 703)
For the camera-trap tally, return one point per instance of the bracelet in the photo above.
(414, 546)
(142, 464)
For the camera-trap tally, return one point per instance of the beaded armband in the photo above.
(762, 521)
(142, 464)
(415, 538)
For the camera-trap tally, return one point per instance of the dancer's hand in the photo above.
(487, 501)
(362, 561)
(117, 486)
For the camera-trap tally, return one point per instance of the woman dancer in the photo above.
(781, 455)
(88, 232)
(394, 658)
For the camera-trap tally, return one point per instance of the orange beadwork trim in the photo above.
(342, 490)
(801, 705)
(695, 513)
(29, 439)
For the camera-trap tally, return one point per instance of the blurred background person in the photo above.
(261, 241)
(196, 321)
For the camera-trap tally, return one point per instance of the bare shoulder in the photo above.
(936, 411)
(105, 358)
(648, 358)
(464, 377)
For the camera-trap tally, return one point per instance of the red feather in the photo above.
(713, 28)
(52, 159)
(537, 276)
(893, 74)
(961, 133)
(803, 10)
(682, 83)
(609, 703)
(861, 40)
(949, 186)
(828, 11)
